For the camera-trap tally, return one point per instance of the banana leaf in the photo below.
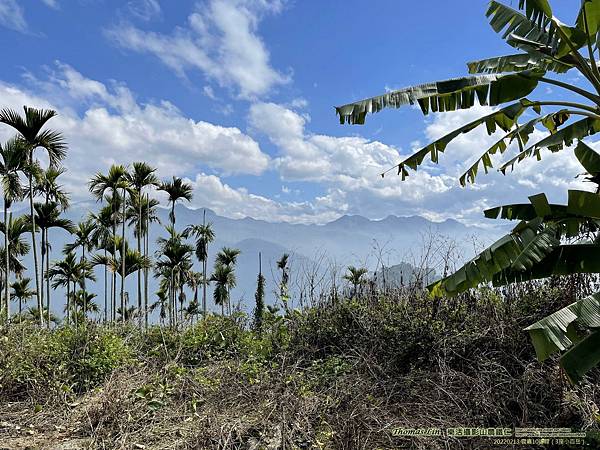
(588, 19)
(521, 133)
(504, 118)
(568, 329)
(447, 95)
(538, 206)
(562, 260)
(527, 244)
(582, 357)
(588, 157)
(557, 141)
(517, 63)
(509, 22)
(538, 11)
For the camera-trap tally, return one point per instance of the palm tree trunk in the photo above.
(123, 262)
(181, 296)
(204, 262)
(68, 302)
(172, 300)
(105, 290)
(175, 319)
(146, 245)
(48, 279)
(169, 304)
(195, 312)
(75, 303)
(114, 275)
(139, 247)
(43, 255)
(113, 305)
(84, 293)
(34, 246)
(7, 263)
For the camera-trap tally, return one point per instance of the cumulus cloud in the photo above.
(12, 16)
(554, 174)
(323, 158)
(113, 127)
(210, 191)
(144, 9)
(349, 168)
(51, 4)
(220, 39)
(105, 123)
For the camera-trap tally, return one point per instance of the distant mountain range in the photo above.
(314, 249)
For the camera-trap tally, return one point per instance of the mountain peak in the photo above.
(350, 220)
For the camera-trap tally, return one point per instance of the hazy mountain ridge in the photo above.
(348, 240)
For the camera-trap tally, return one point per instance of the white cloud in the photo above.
(12, 16)
(104, 123)
(209, 92)
(52, 4)
(114, 128)
(299, 103)
(211, 192)
(345, 165)
(349, 168)
(554, 173)
(144, 9)
(220, 39)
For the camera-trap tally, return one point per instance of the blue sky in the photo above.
(238, 95)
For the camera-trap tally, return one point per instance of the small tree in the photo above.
(259, 297)
(223, 278)
(125, 263)
(204, 235)
(13, 159)
(227, 257)
(22, 292)
(84, 238)
(174, 262)
(100, 185)
(282, 265)
(176, 190)
(355, 278)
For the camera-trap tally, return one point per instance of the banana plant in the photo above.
(549, 239)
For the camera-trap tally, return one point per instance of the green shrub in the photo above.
(38, 363)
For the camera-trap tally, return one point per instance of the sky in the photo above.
(238, 96)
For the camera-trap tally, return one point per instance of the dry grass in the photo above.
(345, 378)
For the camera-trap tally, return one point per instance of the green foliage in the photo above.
(213, 338)
(160, 389)
(329, 367)
(68, 360)
(536, 247)
(259, 308)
